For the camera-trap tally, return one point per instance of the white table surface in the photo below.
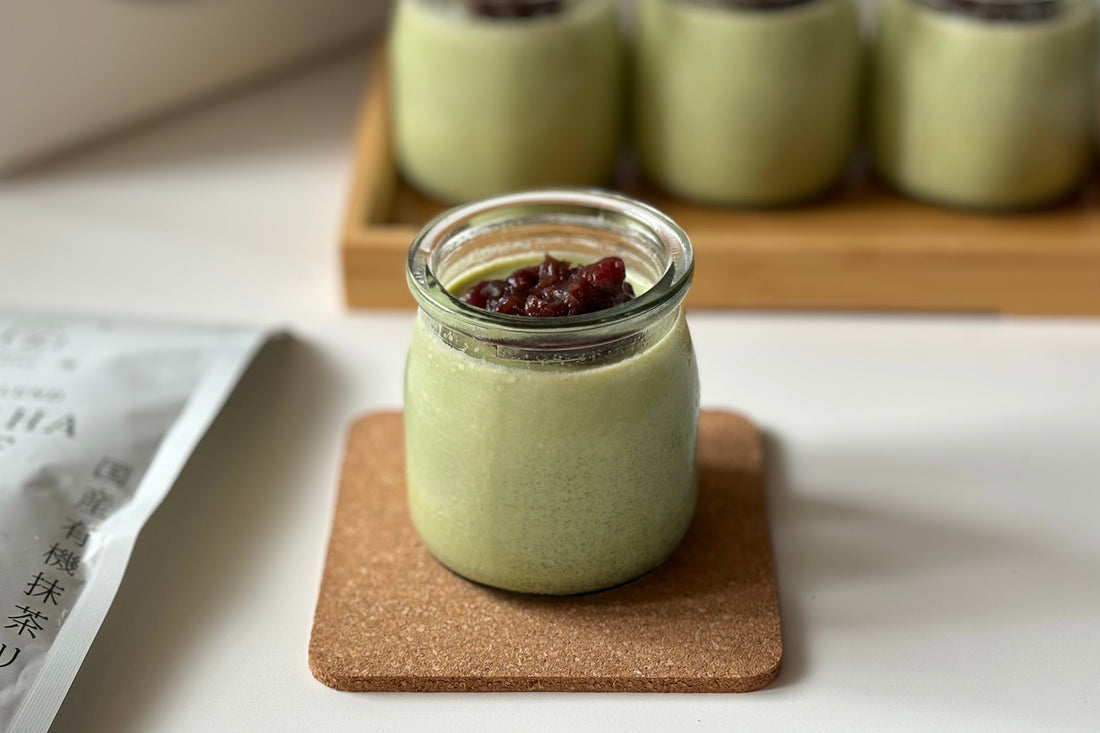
(935, 487)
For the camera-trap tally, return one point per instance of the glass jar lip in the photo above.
(668, 290)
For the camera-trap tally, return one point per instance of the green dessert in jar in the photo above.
(750, 102)
(491, 96)
(551, 393)
(984, 103)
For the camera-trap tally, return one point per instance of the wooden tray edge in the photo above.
(880, 267)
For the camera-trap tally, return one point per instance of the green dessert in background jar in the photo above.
(555, 454)
(984, 103)
(750, 102)
(491, 96)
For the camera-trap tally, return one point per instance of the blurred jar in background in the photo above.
(495, 95)
(750, 102)
(984, 103)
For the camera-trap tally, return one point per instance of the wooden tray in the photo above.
(861, 247)
(392, 619)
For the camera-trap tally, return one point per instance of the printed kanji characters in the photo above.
(62, 559)
(27, 621)
(48, 591)
(117, 472)
(76, 531)
(95, 503)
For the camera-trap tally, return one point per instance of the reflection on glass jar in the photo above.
(492, 96)
(984, 104)
(551, 455)
(751, 102)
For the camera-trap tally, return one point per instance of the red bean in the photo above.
(554, 289)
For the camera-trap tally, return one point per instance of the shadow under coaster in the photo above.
(391, 618)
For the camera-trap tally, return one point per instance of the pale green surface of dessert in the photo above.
(985, 114)
(483, 106)
(746, 106)
(547, 477)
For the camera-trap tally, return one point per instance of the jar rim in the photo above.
(667, 291)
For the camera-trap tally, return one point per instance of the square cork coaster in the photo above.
(391, 618)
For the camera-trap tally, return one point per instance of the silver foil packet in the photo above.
(97, 419)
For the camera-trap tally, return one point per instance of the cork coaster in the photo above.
(391, 618)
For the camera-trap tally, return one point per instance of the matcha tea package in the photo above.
(97, 419)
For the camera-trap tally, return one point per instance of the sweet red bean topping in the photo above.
(554, 288)
(759, 4)
(1010, 10)
(514, 8)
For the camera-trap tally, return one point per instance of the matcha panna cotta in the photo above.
(551, 455)
(746, 102)
(490, 96)
(984, 104)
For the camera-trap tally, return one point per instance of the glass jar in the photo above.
(490, 97)
(751, 102)
(983, 103)
(551, 455)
